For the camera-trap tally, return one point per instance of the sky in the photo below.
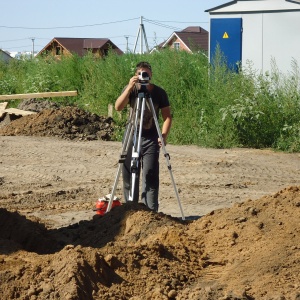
(32, 24)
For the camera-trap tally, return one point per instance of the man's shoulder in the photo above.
(158, 89)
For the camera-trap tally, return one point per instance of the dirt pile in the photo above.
(249, 251)
(65, 122)
(53, 246)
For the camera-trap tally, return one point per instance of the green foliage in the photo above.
(211, 105)
(289, 139)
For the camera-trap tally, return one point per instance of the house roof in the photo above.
(94, 43)
(192, 36)
(251, 6)
(4, 56)
(81, 45)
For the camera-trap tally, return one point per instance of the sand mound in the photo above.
(249, 251)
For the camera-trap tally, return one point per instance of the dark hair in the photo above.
(143, 64)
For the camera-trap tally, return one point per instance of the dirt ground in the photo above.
(237, 236)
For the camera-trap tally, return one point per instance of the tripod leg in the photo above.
(130, 136)
(166, 155)
(126, 142)
(136, 149)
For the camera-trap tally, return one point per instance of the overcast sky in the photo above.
(25, 25)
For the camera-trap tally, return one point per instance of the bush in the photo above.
(211, 105)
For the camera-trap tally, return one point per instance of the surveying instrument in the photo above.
(132, 139)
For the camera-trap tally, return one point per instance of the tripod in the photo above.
(133, 138)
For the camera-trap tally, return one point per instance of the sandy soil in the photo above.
(238, 236)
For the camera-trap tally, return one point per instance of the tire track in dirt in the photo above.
(222, 177)
(206, 179)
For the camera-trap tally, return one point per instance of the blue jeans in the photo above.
(149, 163)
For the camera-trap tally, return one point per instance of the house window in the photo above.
(176, 46)
(58, 50)
(105, 52)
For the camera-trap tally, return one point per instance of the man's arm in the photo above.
(167, 117)
(123, 99)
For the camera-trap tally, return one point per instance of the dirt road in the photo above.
(67, 177)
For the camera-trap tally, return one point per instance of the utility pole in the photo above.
(141, 34)
(32, 47)
(126, 37)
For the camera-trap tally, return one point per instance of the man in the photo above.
(150, 142)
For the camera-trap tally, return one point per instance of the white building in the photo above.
(257, 31)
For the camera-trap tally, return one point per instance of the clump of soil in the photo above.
(65, 122)
(37, 105)
(249, 251)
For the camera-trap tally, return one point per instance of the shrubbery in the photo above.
(211, 106)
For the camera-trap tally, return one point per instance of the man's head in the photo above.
(144, 66)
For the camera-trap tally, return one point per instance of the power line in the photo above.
(155, 22)
(26, 46)
(175, 21)
(23, 39)
(66, 27)
(159, 23)
(14, 40)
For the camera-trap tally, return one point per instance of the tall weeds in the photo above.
(211, 106)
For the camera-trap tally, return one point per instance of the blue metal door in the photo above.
(227, 34)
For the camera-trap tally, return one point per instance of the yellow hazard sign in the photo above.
(225, 35)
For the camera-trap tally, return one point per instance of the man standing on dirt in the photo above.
(150, 141)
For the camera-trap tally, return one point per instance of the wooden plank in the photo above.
(2, 108)
(19, 112)
(38, 95)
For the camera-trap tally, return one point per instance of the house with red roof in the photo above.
(80, 46)
(191, 39)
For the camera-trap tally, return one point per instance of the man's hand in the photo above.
(164, 140)
(133, 80)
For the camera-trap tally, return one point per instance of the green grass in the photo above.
(211, 106)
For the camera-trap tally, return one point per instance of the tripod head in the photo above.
(143, 81)
(143, 88)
